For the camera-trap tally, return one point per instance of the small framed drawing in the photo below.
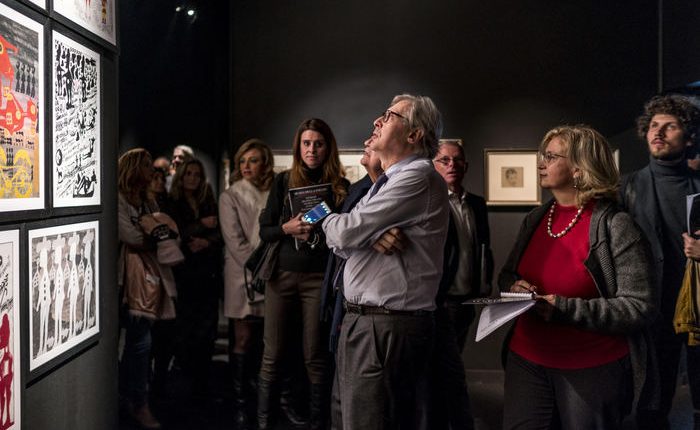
(349, 158)
(511, 179)
(76, 124)
(21, 112)
(10, 334)
(64, 311)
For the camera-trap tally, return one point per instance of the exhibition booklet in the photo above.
(303, 199)
(500, 310)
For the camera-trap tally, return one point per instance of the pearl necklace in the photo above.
(568, 227)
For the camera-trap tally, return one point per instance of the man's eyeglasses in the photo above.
(549, 157)
(445, 161)
(388, 113)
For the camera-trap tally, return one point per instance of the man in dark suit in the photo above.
(469, 219)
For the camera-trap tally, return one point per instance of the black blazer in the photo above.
(482, 256)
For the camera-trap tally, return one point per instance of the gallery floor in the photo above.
(176, 410)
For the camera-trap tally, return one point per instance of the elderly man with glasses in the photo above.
(387, 332)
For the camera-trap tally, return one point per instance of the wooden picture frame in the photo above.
(510, 177)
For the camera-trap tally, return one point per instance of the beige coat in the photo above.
(239, 209)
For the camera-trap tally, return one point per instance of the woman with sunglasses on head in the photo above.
(296, 286)
(580, 356)
(239, 209)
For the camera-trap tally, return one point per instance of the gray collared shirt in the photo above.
(414, 199)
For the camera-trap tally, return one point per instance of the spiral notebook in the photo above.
(500, 310)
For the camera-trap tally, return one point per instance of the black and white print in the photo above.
(76, 124)
(64, 293)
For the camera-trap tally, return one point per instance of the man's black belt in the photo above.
(380, 310)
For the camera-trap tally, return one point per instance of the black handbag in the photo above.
(261, 264)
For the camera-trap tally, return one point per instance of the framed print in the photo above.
(10, 333)
(76, 124)
(511, 177)
(41, 4)
(96, 16)
(21, 112)
(349, 158)
(63, 292)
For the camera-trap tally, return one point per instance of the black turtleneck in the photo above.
(671, 185)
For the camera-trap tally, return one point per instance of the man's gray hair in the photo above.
(423, 114)
(186, 149)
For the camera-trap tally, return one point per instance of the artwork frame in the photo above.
(22, 132)
(76, 124)
(349, 158)
(11, 351)
(60, 238)
(97, 17)
(510, 177)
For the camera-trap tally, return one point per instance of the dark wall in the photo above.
(501, 72)
(174, 79)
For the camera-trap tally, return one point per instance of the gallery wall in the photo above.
(58, 238)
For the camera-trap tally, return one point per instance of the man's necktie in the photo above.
(381, 180)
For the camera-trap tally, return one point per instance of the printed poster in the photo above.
(76, 124)
(10, 373)
(21, 140)
(96, 16)
(63, 293)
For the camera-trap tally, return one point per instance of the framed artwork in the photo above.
(349, 158)
(511, 177)
(10, 333)
(21, 112)
(63, 290)
(96, 16)
(76, 124)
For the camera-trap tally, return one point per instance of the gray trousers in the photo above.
(538, 397)
(381, 358)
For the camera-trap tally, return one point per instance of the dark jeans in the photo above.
(381, 359)
(461, 317)
(538, 397)
(668, 350)
(135, 359)
(291, 294)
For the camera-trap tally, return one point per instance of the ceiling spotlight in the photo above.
(190, 12)
(178, 9)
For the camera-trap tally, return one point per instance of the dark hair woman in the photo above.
(194, 209)
(580, 356)
(297, 285)
(239, 210)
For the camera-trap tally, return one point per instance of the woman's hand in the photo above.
(545, 306)
(691, 247)
(297, 228)
(148, 223)
(197, 244)
(210, 221)
(522, 286)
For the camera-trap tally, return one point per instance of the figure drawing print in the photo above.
(9, 331)
(21, 74)
(76, 123)
(64, 296)
(94, 15)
